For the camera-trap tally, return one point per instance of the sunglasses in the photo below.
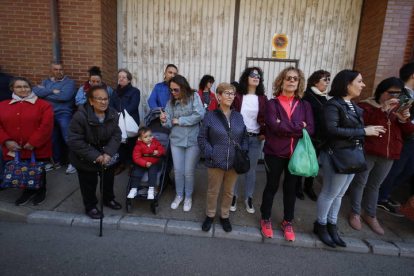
(176, 90)
(295, 78)
(394, 93)
(326, 79)
(253, 75)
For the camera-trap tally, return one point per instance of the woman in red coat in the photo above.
(26, 125)
(208, 99)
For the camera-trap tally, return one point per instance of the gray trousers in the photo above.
(365, 186)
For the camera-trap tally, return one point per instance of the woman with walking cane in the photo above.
(94, 137)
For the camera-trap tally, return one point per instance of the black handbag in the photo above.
(348, 160)
(241, 159)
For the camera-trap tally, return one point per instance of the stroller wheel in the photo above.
(154, 207)
(128, 207)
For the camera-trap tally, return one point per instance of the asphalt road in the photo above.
(55, 250)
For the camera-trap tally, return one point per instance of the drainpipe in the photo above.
(55, 30)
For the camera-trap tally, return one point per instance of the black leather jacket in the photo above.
(341, 127)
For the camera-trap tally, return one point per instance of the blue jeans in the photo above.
(255, 148)
(139, 171)
(333, 189)
(60, 130)
(400, 170)
(2, 164)
(185, 159)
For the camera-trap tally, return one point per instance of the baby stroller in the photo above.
(162, 135)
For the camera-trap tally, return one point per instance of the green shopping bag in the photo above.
(303, 161)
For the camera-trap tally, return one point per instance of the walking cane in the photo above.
(101, 188)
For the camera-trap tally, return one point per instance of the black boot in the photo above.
(207, 224)
(299, 192)
(333, 232)
(322, 232)
(310, 193)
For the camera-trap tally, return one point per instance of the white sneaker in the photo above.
(187, 204)
(249, 205)
(132, 193)
(233, 206)
(50, 167)
(71, 169)
(176, 202)
(150, 193)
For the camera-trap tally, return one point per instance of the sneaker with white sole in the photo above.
(132, 193)
(176, 202)
(71, 169)
(188, 202)
(249, 205)
(50, 167)
(150, 193)
(233, 206)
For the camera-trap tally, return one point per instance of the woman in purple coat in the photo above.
(286, 117)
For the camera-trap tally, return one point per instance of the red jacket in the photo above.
(141, 149)
(213, 100)
(387, 145)
(238, 102)
(25, 122)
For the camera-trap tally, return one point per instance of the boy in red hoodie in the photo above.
(145, 155)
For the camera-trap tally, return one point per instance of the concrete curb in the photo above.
(189, 228)
(10, 212)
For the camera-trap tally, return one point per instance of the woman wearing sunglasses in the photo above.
(208, 99)
(286, 117)
(316, 95)
(183, 114)
(250, 101)
(381, 151)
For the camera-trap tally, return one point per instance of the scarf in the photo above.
(122, 90)
(319, 93)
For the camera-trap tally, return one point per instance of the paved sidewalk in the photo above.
(64, 197)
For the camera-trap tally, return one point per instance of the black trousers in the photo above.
(275, 166)
(88, 182)
(125, 151)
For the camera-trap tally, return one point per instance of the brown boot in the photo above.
(355, 221)
(373, 224)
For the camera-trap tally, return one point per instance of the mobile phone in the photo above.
(404, 105)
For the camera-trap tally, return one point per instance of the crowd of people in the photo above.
(366, 148)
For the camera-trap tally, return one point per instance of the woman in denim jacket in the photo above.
(183, 114)
(219, 153)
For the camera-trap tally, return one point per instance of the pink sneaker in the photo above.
(288, 231)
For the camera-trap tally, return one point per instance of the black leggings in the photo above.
(275, 166)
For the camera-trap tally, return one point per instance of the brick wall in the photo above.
(369, 42)
(394, 41)
(385, 41)
(26, 38)
(109, 41)
(26, 41)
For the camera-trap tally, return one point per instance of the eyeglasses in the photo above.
(394, 93)
(211, 82)
(101, 100)
(326, 79)
(253, 75)
(295, 78)
(176, 90)
(229, 94)
(22, 87)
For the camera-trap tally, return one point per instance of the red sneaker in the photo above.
(266, 228)
(288, 231)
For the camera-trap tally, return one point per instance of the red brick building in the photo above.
(88, 36)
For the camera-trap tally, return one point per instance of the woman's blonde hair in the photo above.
(278, 82)
(224, 86)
